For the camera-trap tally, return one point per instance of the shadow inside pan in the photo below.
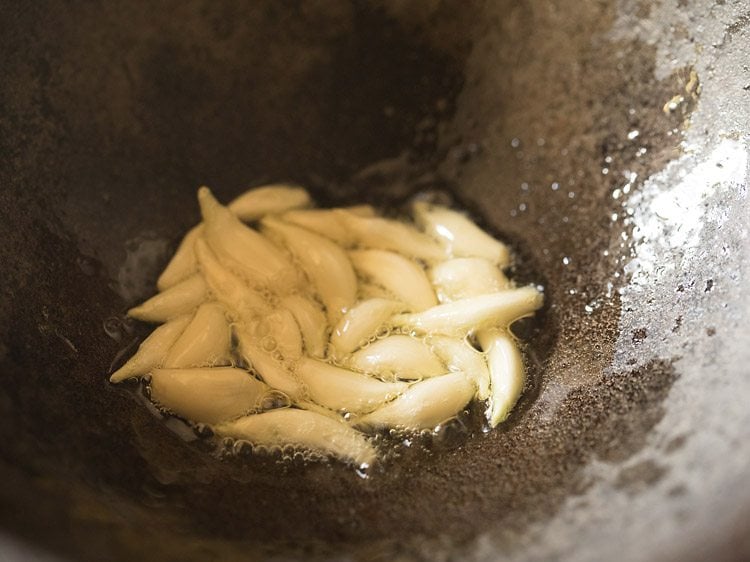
(114, 117)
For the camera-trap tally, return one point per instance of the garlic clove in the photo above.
(359, 210)
(311, 321)
(183, 264)
(424, 405)
(285, 331)
(206, 341)
(249, 206)
(268, 368)
(367, 291)
(327, 222)
(207, 395)
(467, 277)
(153, 350)
(387, 234)
(318, 409)
(399, 275)
(341, 389)
(179, 299)
(241, 301)
(457, 318)
(460, 356)
(401, 356)
(308, 430)
(458, 234)
(324, 262)
(362, 322)
(267, 200)
(507, 373)
(248, 252)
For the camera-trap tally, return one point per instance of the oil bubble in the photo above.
(451, 433)
(268, 344)
(114, 328)
(275, 399)
(203, 430)
(362, 471)
(242, 448)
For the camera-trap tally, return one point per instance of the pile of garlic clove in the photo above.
(356, 321)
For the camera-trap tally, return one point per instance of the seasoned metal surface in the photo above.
(549, 121)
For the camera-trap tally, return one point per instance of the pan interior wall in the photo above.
(111, 119)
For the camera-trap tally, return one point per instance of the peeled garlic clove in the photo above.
(324, 262)
(460, 356)
(154, 349)
(457, 318)
(458, 234)
(284, 330)
(311, 321)
(341, 389)
(320, 221)
(175, 301)
(424, 405)
(359, 210)
(318, 409)
(467, 277)
(386, 234)
(507, 373)
(183, 264)
(403, 356)
(399, 275)
(273, 373)
(327, 222)
(367, 291)
(205, 342)
(208, 395)
(249, 252)
(267, 200)
(362, 322)
(308, 430)
(240, 300)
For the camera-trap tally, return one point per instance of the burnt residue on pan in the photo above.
(112, 118)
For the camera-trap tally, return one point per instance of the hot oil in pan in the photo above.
(420, 440)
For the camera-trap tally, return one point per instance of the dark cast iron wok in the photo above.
(608, 141)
